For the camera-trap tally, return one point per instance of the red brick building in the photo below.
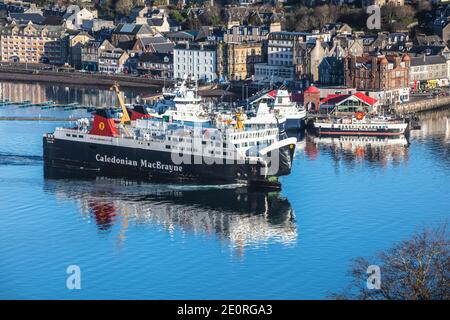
(385, 78)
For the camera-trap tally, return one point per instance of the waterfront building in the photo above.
(76, 43)
(355, 102)
(428, 72)
(242, 58)
(90, 53)
(155, 65)
(112, 60)
(385, 78)
(32, 43)
(237, 33)
(195, 60)
(283, 56)
(331, 71)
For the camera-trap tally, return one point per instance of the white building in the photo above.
(196, 60)
(75, 16)
(281, 50)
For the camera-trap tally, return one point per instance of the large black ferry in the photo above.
(153, 149)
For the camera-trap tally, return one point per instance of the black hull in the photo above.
(339, 132)
(91, 160)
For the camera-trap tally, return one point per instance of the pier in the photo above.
(36, 119)
(437, 102)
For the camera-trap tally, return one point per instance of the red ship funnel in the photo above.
(138, 112)
(104, 124)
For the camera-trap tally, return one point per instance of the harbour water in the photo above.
(344, 199)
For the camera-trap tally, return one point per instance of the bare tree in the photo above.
(415, 269)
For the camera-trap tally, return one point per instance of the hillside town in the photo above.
(301, 45)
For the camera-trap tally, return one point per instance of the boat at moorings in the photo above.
(360, 124)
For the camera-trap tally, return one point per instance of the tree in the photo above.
(124, 7)
(415, 269)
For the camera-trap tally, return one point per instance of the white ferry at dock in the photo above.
(360, 124)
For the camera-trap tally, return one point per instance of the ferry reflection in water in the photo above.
(237, 215)
(352, 149)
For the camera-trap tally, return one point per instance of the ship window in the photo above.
(167, 146)
(67, 135)
(224, 153)
(80, 136)
(203, 142)
(74, 135)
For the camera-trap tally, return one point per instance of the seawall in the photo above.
(10, 73)
(423, 105)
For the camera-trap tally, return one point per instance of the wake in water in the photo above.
(7, 158)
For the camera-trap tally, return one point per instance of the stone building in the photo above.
(157, 65)
(125, 34)
(242, 58)
(76, 43)
(385, 78)
(428, 72)
(90, 53)
(112, 60)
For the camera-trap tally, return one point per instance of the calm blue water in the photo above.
(343, 200)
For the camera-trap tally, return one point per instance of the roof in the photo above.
(186, 34)
(155, 57)
(335, 99)
(133, 29)
(364, 98)
(53, 20)
(196, 47)
(25, 17)
(312, 89)
(156, 22)
(427, 60)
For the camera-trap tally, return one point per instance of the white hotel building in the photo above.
(196, 60)
(281, 55)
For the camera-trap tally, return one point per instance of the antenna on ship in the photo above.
(125, 116)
